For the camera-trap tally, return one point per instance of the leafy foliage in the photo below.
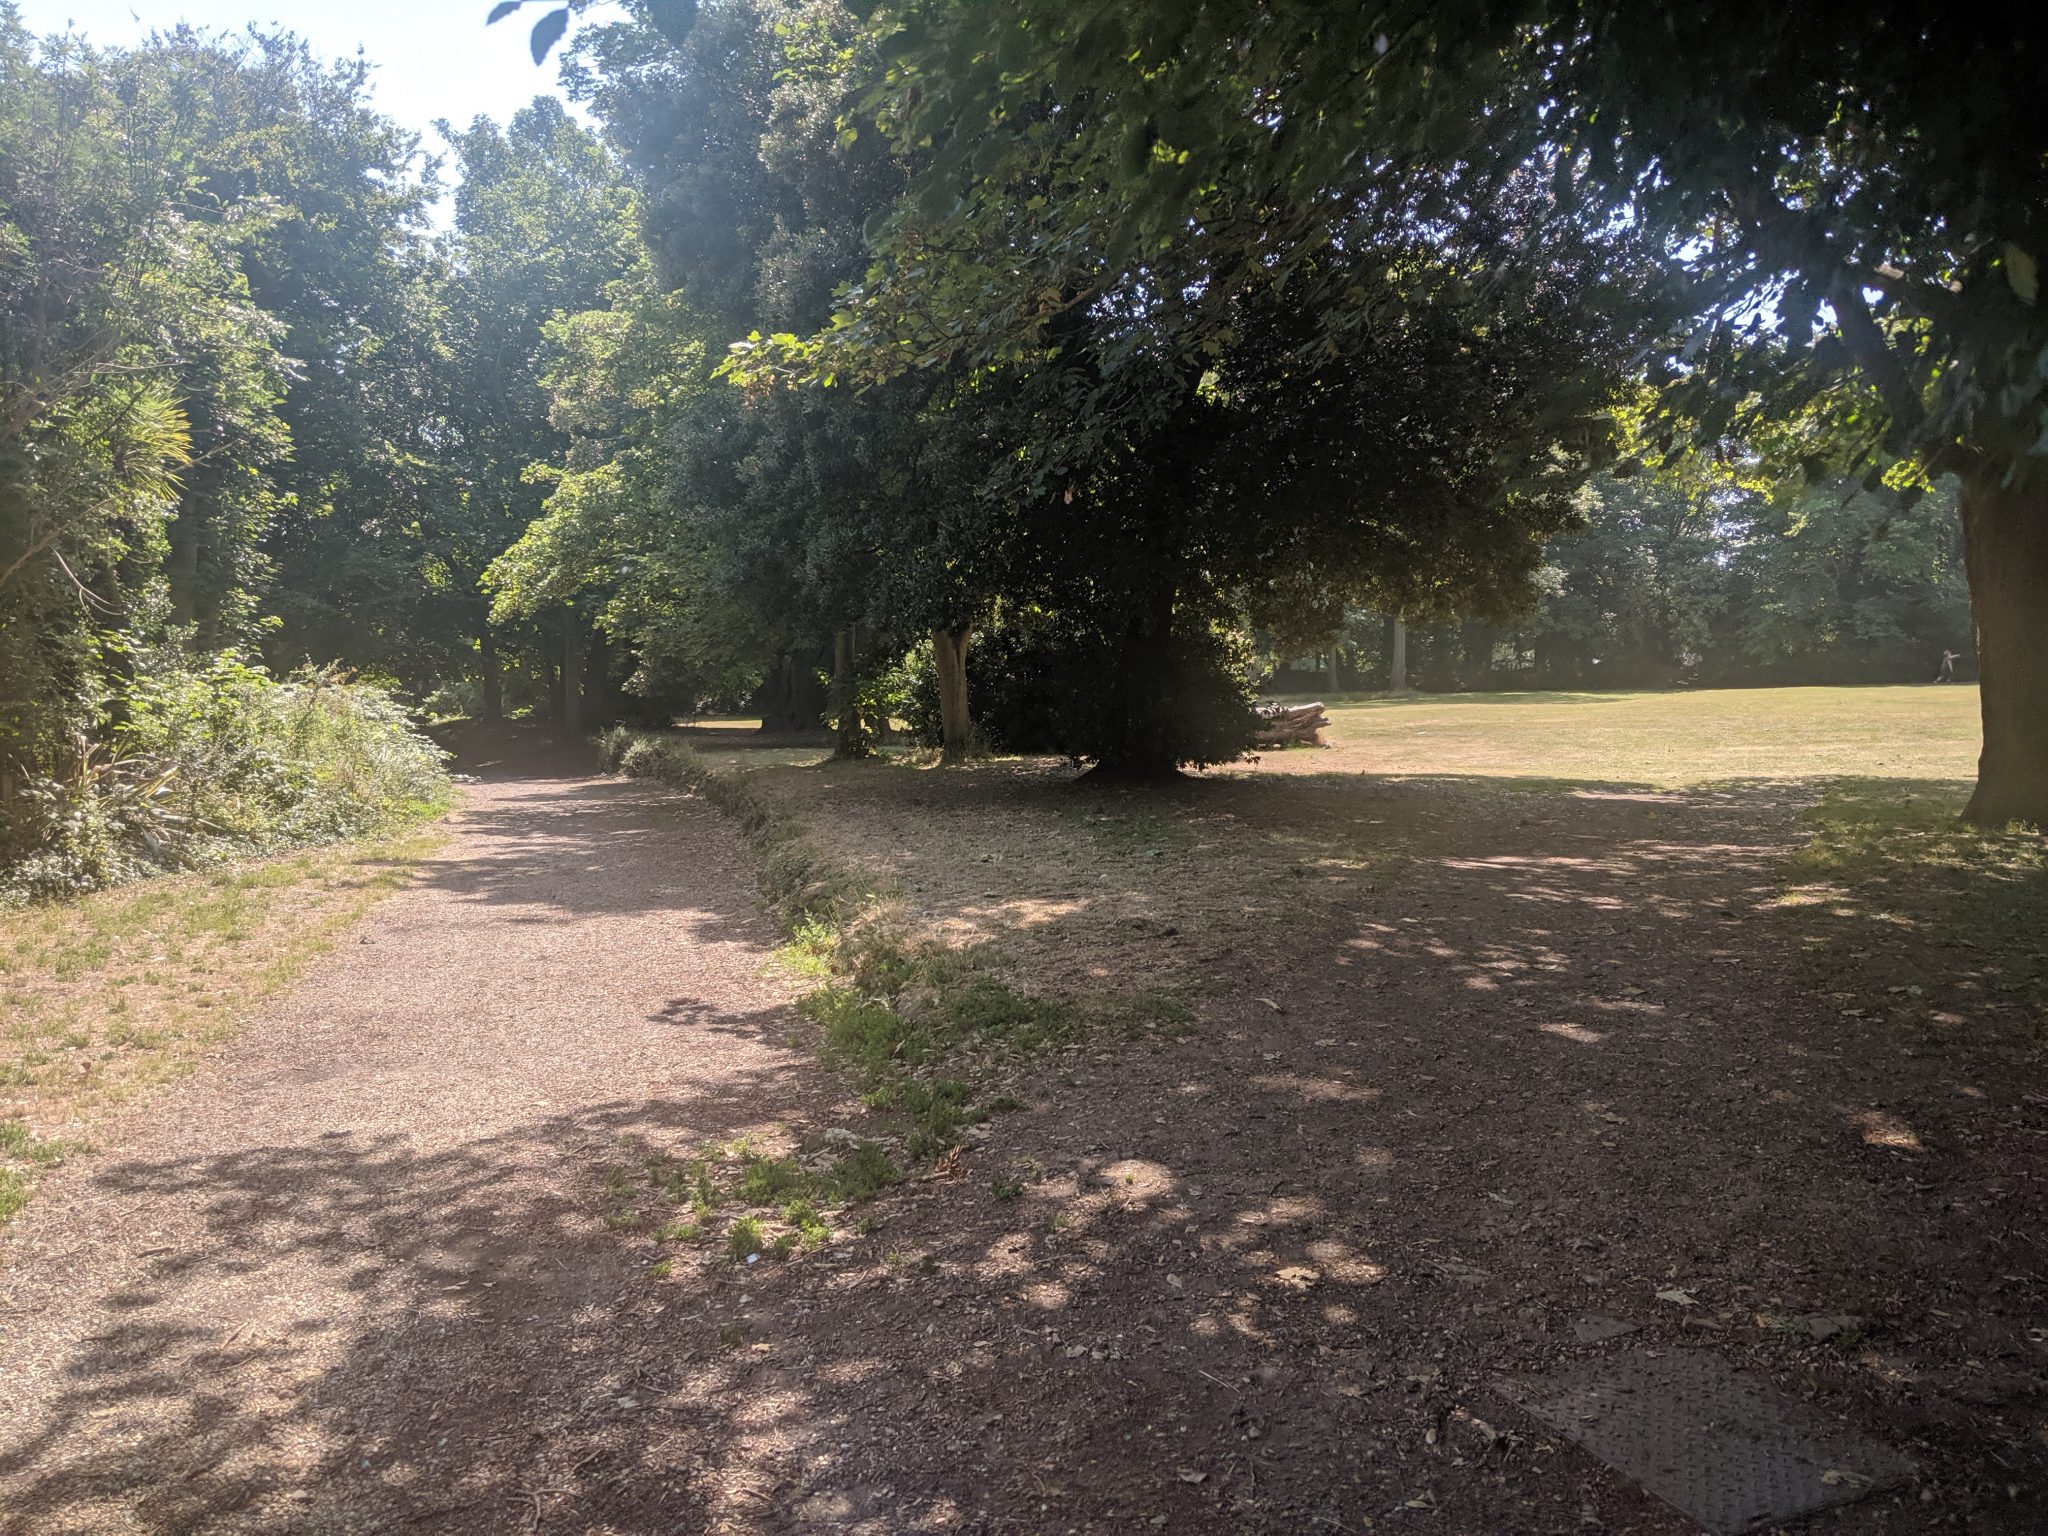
(217, 759)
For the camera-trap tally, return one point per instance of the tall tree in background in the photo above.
(543, 226)
(844, 525)
(139, 387)
(1194, 447)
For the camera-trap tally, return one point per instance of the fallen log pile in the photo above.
(1282, 725)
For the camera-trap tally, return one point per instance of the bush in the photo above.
(198, 761)
(1043, 683)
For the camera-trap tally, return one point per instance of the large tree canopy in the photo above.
(1852, 199)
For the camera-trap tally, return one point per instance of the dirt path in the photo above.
(1428, 1124)
(350, 1277)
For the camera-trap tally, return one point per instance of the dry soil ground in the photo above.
(1470, 1066)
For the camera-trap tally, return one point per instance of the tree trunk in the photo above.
(775, 698)
(848, 732)
(956, 731)
(597, 682)
(1139, 741)
(2005, 546)
(572, 675)
(181, 570)
(790, 698)
(493, 676)
(1475, 641)
(1397, 668)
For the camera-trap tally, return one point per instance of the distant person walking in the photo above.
(1947, 674)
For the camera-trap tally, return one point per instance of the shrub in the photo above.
(1047, 683)
(202, 760)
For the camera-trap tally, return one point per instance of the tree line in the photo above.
(1665, 585)
(1025, 370)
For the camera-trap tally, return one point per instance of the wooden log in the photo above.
(1285, 724)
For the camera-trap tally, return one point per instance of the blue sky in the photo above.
(434, 58)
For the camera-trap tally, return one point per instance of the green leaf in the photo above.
(502, 9)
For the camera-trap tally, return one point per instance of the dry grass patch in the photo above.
(125, 989)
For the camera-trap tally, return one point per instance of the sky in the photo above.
(433, 58)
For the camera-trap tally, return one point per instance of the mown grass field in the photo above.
(1065, 886)
(1665, 740)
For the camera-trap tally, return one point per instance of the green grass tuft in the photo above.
(743, 1237)
(765, 1179)
(864, 1173)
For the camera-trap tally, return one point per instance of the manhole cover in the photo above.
(1727, 1449)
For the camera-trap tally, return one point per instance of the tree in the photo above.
(1188, 452)
(1852, 195)
(846, 524)
(543, 225)
(1840, 584)
(139, 387)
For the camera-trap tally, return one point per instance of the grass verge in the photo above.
(122, 990)
(930, 1031)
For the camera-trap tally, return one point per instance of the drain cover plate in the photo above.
(1727, 1449)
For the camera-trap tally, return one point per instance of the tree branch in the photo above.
(1874, 355)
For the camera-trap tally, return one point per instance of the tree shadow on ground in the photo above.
(1471, 1067)
(1528, 1055)
(491, 1328)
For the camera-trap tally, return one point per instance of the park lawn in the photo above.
(1665, 740)
(107, 996)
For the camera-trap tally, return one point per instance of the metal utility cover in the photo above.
(1727, 1449)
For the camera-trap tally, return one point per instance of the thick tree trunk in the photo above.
(2005, 546)
(1140, 743)
(774, 698)
(956, 731)
(791, 698)
(1475, 641)
(493, 676)
(1397, 668)
(572, 675)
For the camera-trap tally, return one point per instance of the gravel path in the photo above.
(351, 1276)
